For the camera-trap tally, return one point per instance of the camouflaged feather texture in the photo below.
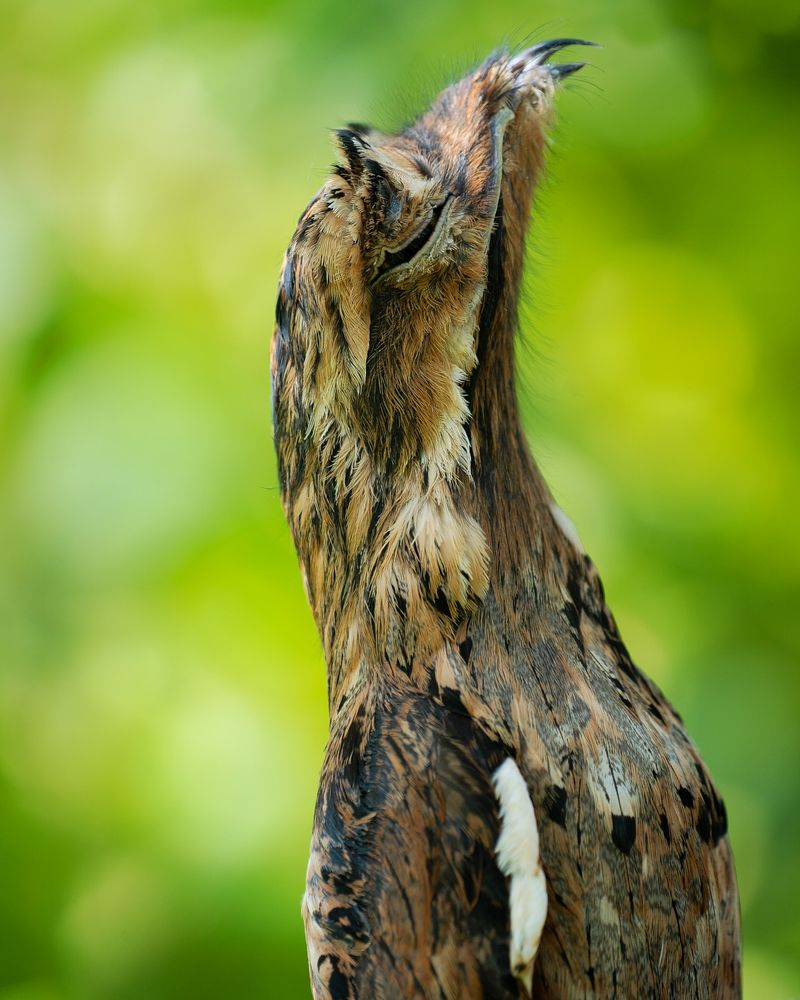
(461, 623)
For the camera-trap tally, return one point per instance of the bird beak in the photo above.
(561, 70)
(539, 54)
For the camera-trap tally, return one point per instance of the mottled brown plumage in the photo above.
(461, 621)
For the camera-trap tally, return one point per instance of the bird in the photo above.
(508, 807)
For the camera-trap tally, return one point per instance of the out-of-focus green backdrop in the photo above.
(162, 693)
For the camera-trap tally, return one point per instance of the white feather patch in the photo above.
(518, 859)
(568, 528)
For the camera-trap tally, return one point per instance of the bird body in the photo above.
(489, 733)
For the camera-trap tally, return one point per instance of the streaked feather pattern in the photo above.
(462, 623)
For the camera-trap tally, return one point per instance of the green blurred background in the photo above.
(162, 693)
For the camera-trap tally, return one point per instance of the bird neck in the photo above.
(396, 560)
(392, 565)
(395, 566)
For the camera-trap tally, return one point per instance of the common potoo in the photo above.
(508, 806)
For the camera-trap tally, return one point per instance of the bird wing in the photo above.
(404, 895)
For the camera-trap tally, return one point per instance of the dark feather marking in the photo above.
(423, 167)
(495, 283)
(338, 985)
(555, 803)
(623, 832)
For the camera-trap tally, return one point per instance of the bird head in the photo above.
(392, 360)
(395, 272)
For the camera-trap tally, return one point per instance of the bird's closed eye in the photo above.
(395, 258)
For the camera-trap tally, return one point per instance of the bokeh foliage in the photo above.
(162, 693)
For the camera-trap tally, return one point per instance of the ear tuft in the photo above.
(359, 128)
(353, 150)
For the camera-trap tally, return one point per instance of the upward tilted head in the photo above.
(393, 350)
